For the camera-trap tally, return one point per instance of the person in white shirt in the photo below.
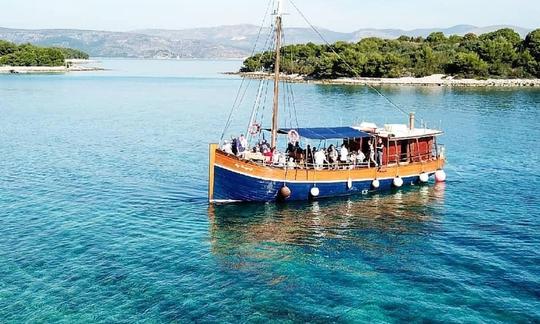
(227, 147)
(320, 158)
(282, 160)
(360, 157)
(243, 144)
(343, 154)
(291, 164)
(275, 156)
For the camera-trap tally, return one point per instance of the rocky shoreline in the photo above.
(433, 80)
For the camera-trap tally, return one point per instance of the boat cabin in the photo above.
(403, 144)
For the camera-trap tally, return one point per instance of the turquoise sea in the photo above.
(104, 216)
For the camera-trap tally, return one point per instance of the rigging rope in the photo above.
(237, 103)
(263, 83)
(289, 93)
(294, 105)
(346, 63)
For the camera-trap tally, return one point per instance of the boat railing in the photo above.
(405, 158)
(391, 160)
(399, 158)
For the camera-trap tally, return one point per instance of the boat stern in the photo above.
(211, 170)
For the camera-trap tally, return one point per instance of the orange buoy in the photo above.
(285, 192)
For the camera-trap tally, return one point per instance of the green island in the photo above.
(12, 54)
(501, 54)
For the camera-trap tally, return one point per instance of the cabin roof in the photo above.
(404, 133)
(398, 131)
(415, 133)
(325, 133)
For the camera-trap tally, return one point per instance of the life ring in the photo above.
(255, 129)
(293, 136)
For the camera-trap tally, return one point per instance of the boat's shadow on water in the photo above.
(407, 212)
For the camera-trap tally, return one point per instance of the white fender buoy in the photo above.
(285, 192)
(375, 184)
(398, 182)
(349, 184)
(424, 177)
(314, 192)
(440, 176)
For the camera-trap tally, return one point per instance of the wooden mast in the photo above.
(275, 109)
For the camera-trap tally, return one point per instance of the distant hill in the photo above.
(243, 37)
(213, 42)
(121, 44)
(454, 30)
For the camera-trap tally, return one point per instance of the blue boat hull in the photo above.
(232, 186)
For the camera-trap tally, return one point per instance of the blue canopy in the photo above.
(325, 133)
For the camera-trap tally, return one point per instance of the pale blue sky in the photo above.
(339, 15)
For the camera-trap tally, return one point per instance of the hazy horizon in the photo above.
(240, 24)
(346, 15)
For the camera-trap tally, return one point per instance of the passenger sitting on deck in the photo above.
(360, 157)
(352, 160)
(227, 147)
(282, 160)
(275, 156)
(291, 164)
(320, 158)
(265, 146)
(268, 155)
(352, 157)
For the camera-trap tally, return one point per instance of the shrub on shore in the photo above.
(31, 55)
(499, 54)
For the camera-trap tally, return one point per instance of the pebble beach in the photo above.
(432, 80)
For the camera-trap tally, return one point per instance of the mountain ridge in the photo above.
(230, 41)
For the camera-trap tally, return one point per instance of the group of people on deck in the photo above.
(333, 158)
(311, 157)
(239, 146)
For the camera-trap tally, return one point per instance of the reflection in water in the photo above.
(353, 90)
(359, 221)
(346, 90)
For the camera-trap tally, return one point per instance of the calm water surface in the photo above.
(104, 216)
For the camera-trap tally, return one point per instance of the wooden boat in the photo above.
(409, 156)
